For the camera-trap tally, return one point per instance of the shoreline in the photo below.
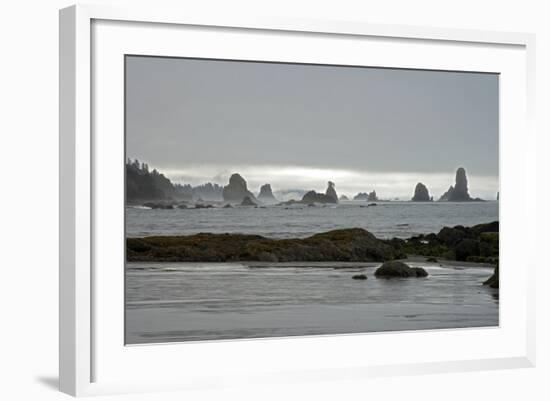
(335, 265)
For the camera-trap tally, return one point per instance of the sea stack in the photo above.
(329, 196)
(458, 193)
(236, 190)
(372, 197)
(331, 192)
(266, 195)
(421, 193)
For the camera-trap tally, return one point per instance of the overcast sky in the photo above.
(298, 126)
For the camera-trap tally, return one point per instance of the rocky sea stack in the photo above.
(421, 193)
(331, 192)
(266, 195)
(372, 197)
(330, 196)
(236, 190)
(458, 192)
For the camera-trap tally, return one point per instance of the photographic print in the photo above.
(268, 199)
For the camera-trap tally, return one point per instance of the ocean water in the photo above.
(172, 302)
(386, 220)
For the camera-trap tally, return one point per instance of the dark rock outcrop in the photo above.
(479, 243)
(266, 195)
(316, 197)
(421, 193)
(396, 268)
(236, 190)
(331, 192)
(359, 277)
(247, 202)
(351, 245)
(361, 196)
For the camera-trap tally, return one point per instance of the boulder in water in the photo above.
(396, 268)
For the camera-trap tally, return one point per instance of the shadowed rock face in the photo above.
(266, 195)
(421, 193)
(247, 202)
(237, 190)
(479, 243)
(331, 192)
(446, 195)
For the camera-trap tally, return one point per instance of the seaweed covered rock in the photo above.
(396, 268)
(479, 243)
(359, 277)
(348, 245)
(466, 248)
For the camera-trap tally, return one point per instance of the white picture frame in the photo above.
(93, 360)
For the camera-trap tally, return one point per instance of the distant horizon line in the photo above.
(388, 185)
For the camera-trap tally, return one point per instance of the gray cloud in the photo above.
(184, 113)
